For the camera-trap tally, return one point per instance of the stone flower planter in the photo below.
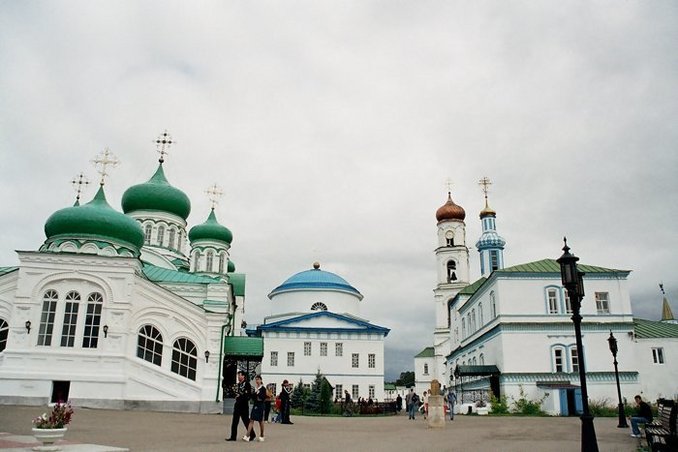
(48, 436)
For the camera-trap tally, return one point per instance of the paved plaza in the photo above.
(149, 431)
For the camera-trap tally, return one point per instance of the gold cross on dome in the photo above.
(163, 143)
(78, 182)
(449, 184)
(102, 161)
(214, 192)
(485, 186)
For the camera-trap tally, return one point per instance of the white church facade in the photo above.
(121, 310)
(511, 331)
(315, 326)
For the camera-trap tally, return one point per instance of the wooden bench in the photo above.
(662, 434)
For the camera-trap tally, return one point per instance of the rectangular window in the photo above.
(47, 322)
(568, 303)
(558, 359)
(658, 355)
(602, 303)
(371, 361)
(355, 392)
(323, 349)
(371, 391)
(274, 359)
(338, 392)
(574, 359)
(552, 295)
(355, 360)
(290, 359)
(70, 322)
(90, 338)
(339, 349)
(307, 349)
(494, 260)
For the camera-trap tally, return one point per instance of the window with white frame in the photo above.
(451, 271)
(469, 324)
(559, 359)
(171, 234)
(473, 319)
(371, 360)
(184, 358)
(481, 320)
(70, 319)
(658, 355)
(568, 303)
(49, 304)
(290, 359)
(574, 359)
(552, 297)
(307, 349)
(90, 338)
(148, 229)
(602, 303)
(209, 261)
(355, 360)
(197, 257)
(370, 391)
(161, 235)
(323, 349)
(474, 361)
(339, 349)
(493, 305)
(425, 368)
(4, 332)
(481, 359)
(494, 260)
(274, 359)
(339, 392)
(355, 392)
(222, 259)
(149, 345)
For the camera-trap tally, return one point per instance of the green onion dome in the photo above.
(210, 230)
(156, 194)
(97, 220)
(231, 266)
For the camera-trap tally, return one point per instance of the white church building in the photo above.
(510, 330)
(121, 310)
(315, 326)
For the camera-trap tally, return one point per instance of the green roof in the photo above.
(551, 266)
(164, 275)
(428, 352)
(238, 282)
(5, 270)
(464, 371)
(244, 346)
(471, 288)
(645, 329)
(158, 195)
(389, 387)
(210, 230)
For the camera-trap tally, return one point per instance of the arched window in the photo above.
(171, 234)
(49, 303)
(4, 332)
(451, 271)
(148, 229)
(463, 329)
(558, 358)
(469, 324)
(197, 257)
(149, 345)
(184, 358)
(425, 369)
(481, 320)
(473, 320)
(493, 305)
(552, 300)
(319, 306)
(222, 259)
(70, 319)
(209, 260)
(90, 338)
(161, 235)
(481, 359)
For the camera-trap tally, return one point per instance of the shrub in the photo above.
(603, 408)
(527, 407)
(499, 405)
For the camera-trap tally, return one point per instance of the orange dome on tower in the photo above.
(450, 211)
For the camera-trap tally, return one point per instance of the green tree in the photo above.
(325, 397)
(406, 378)
(299, 396)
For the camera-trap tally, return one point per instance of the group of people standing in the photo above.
(414, 403)
(262, 398)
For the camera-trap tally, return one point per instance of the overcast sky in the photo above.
(333, 126)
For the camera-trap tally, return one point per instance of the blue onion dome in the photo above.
(230, 267)
(450, 210)
(210, 230)
(158, 195)
(315, 279)
(96, 220)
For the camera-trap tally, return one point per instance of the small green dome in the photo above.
(210, 230)
(231, 266)
(156, 194)
(96, 219)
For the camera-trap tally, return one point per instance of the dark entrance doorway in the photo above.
(60, 390)
(494, 386)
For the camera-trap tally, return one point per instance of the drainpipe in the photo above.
(221, 353)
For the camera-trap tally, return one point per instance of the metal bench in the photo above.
(661, 435)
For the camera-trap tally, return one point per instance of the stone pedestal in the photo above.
(436, 412)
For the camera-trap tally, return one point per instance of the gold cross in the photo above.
(214, 192)
(485, 186)
(78, 182)
(449, 184)
(103, 160)
(163, 143)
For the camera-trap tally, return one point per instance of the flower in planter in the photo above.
(60, 417)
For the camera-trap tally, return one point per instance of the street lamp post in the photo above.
(573, 280)
(613, 348)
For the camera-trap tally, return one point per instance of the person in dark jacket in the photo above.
(259, 398)
(243, 392)
(643, 416)
(399, 404)
(285, 402)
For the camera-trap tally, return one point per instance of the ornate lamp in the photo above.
(614, 349)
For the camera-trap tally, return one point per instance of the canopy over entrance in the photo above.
(476, 371)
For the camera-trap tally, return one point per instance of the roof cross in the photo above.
(449, 184)
(485, 186)
(163, 143)
(102, 161)
(661, 287)
(78, 182)
(214, 192)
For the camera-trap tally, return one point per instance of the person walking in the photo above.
(424, 406)
(285, 396)
(643, 416)
(243, 392)
(257, 414)
(451, 400)
(399, 404)
(412, 400)
(348, 404)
